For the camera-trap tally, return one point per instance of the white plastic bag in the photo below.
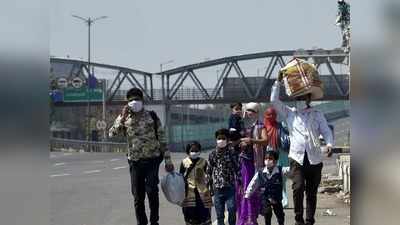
(173, 187)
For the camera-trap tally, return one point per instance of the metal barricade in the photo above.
(59, 144)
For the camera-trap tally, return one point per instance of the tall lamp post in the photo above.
(165, 63)
(89, 21)
(167, 107)
(162, 75)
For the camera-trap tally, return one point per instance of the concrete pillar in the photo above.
(343, 163)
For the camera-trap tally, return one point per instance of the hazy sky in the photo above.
(142, 34)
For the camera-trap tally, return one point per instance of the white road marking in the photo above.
(97, 161)
(92, 171)
(113, 160)
(67, 154)
(120, 167)
(60, 175)
(58, 164)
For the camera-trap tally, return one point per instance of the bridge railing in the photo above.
(181, 94)
(233, 89)
(59, 144)
(242, 87)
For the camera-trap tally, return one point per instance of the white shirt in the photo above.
(305, 126)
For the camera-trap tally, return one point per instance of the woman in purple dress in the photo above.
(256, 138)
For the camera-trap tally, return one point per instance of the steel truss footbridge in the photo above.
(216, 81)
(225, 89)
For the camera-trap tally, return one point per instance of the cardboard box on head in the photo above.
(301, 78)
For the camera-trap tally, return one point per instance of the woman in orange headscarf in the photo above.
(273, 131)
(271, 125)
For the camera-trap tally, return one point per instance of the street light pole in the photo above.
(104, 87)
(167, 106)
(89, 21)
(163, 76)
(165, 63)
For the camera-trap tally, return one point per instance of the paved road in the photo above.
(94, 189)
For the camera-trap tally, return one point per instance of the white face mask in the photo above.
(194, 155)
(136, 106)
(269, 163)
(221, 143)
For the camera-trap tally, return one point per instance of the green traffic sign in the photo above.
(81, 95)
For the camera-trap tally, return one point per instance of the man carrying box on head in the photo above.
(305, 124)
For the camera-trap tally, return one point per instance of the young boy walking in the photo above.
(270, 182)
(235, 119)
(223, 171)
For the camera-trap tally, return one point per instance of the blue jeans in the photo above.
(222, 196)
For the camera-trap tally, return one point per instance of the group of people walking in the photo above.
(245, 173)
